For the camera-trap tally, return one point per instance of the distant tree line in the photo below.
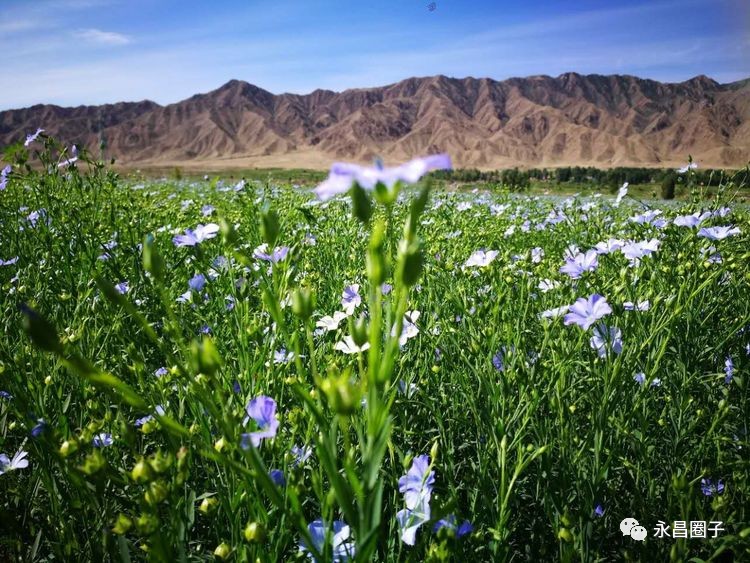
(612, 178)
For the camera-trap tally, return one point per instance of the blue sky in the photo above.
(72, 52)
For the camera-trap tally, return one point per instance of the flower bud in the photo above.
(269, 226)
(254, 532)
(222, 551)
(122, 525)
(141, 472)
(68, 447)
(208, 505)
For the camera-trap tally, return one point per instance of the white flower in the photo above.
(547, 285)
(689, 166)
(554, 313)
(409, 330)
(329, 323)
(348, 346)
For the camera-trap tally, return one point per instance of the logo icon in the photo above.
(631, 527)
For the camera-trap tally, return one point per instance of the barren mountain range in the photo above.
(536, 121)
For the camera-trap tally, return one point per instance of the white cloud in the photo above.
(102, 37)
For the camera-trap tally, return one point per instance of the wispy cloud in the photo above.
(99, 37)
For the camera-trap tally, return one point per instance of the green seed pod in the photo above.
(147, 524)
(152, 259)
(413, 263)
(122, 525)
(342, 393)
(377, 264)
(269, 226)
(156, 493)
(206, 358)
(303, 303)
(360, 332)
(142, 472)
(42, 333)
(228, 232)
(361, 204)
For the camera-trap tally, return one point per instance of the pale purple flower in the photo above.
(262, 410)
(640, 378)
(481, 258)
(498, 360)
(32, 137)
(410, 519)
(4, 177)
(343, 548)
(277, 476)
(9, 261)
(709, 488)
(102, 440)
(186, 297)
(386, 288)
(647, 217)
(606, 338)
(656, 382)
(343, 175)
(39, 428)
(609, 246)
(207, 210)
(408, 390)
(301, 454)
(576, 266)
(585, 312)
(161, 372)
(692, 220)
(197, 236)
(197, 282)
(537, 253)
(640, 306)
(18, 461)
(122, 288)
(728, 370)
(449, 523)
(719, 233)
(230, 302)
(5, 395)
(598, 511)
(351, 299)
(282, 356)
(418, 482)
(149, 417)
(278, 254)
(634, 251)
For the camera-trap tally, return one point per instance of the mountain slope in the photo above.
(536, 121)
